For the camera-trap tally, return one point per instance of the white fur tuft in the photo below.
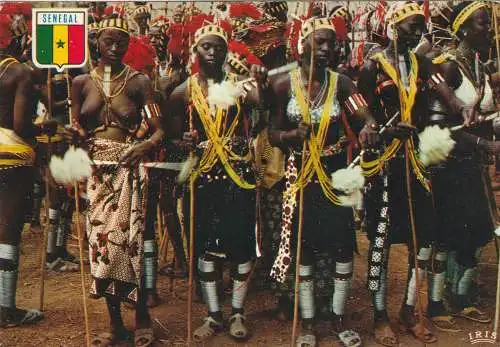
(59, 170)
(435, 145)
(224, 94)
(74, 167)
(350, 181)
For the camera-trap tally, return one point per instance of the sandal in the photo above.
(474, 314)
(420, 332)
(144, 337)
(209, 328)
(237, 328)
(307, 339)
(384, 335)
(110, 339)
(350, 338)
(60, 265)
(103, 340)
(16, 317)
(445, 323)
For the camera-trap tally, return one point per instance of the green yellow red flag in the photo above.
(60, 37)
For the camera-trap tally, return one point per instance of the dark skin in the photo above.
(211, 51)
(88, 112)
(295, 135)
(475, 36)
(16, 110)
(409, 32)
(88, 108)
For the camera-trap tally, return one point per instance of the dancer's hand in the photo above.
(259, 73)
(302, 132)
(368, 136)
(469, 115)
(138, 151)
(401, 131)
(190, 138)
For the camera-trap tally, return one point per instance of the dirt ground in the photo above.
(64, 322)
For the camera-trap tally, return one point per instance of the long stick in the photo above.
(82, 269)
(495, 21)
(47, 194)
(192, 179)
(410, 200)
(301, 208)
(497, 302)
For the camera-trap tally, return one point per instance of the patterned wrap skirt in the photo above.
(115, 224)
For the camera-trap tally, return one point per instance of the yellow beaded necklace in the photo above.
(316, 141)
(407, 96)
(218, 134)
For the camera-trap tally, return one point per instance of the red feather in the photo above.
(140, 54)
(13, 8)
(5, 31)
(238, 10)
(340, 27)
(242, 49)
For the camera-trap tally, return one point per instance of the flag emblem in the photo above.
(60, 38)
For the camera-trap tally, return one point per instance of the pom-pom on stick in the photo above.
(350, 181)
(224, 94)
(75, 166)
(435, 145)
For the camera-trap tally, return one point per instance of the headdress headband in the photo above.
(114, 23)
(465, 14)
(315, 24)
(340, 12)
(210, 29)
(406, 11)
(311, 25)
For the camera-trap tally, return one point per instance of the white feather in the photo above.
(435, 145)
(350, 181)
(78, 163)
(59, 170)
(187, 168)
(224, 94)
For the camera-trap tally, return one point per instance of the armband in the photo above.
(151, 111)
(435, 79)
(355, 102)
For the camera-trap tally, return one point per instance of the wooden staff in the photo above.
(192, 179)
(301, 206)
(497, 44)
(47, 194)
(410, 200)
(82, 269)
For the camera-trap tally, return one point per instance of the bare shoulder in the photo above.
(20, 71)
(80, 80)
(280, 84)
(180, 92)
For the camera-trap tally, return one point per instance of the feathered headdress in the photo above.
(140, 54)
(243, 10)
(114, 10)
(14, 21)
(240, 58)
(114, 18)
